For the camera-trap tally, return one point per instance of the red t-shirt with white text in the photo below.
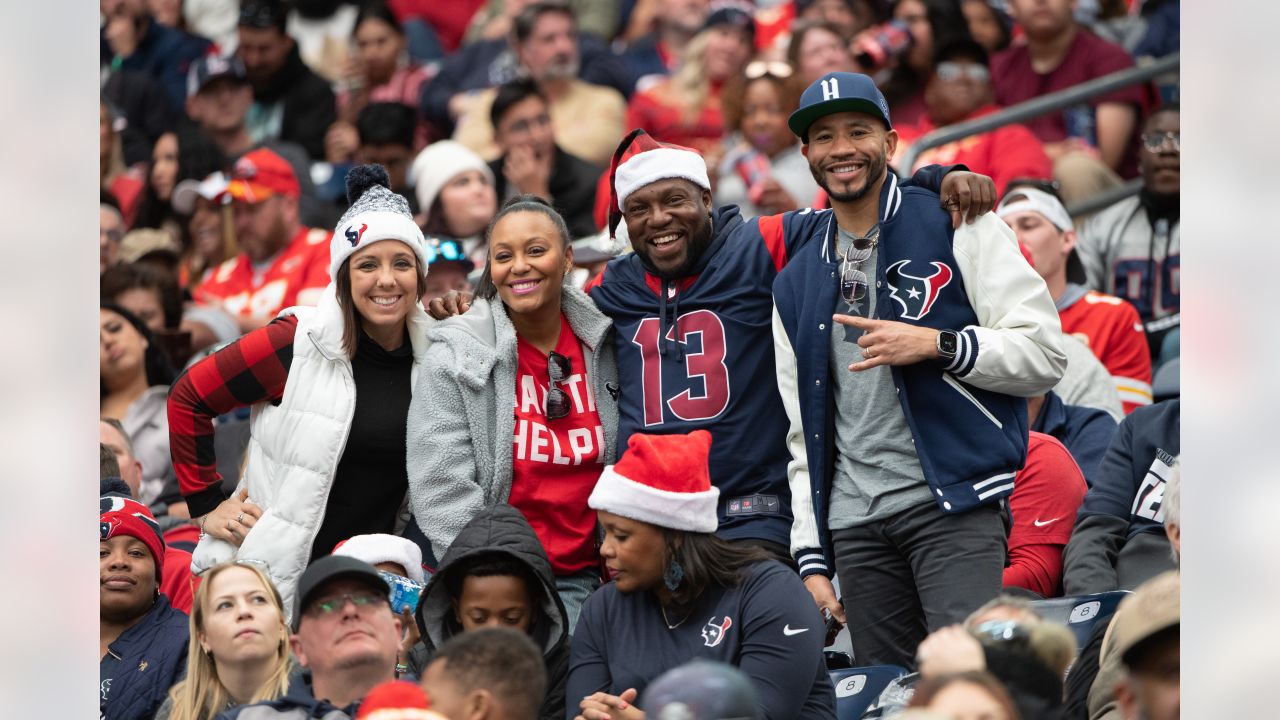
(556, 463)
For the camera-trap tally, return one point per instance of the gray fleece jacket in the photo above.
(462, 419)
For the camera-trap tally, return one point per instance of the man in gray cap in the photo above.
(344, 634)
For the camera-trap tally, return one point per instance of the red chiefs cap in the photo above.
(260, 174)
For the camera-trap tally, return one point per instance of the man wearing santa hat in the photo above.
(692, 307)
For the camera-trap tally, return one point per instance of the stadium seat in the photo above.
(858, 688)
(1166, 383)
(1081, 612)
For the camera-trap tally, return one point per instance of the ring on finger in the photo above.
(240, 518)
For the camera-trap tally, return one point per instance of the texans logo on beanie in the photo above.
(123, 516)
(640, 160)
(662, 480)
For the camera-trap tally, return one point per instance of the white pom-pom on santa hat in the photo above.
(662, 480)
(640, 160)
(379, 548)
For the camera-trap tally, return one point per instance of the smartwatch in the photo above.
(948, 344)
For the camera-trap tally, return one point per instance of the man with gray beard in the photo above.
(587, 120)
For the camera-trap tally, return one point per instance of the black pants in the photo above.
(914, 573)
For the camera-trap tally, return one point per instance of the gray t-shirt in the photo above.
(877, 471)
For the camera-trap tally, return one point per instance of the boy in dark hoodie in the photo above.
(496, 574)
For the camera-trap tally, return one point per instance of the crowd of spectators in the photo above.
(477, 359)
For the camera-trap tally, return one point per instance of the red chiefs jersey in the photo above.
(1112, 329)
(303, 265)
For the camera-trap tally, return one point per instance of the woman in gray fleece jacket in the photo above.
(516, 402)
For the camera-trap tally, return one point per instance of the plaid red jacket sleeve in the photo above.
(250, 370)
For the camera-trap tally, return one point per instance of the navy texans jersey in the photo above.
(697, 353)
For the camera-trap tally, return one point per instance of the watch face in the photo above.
(947, 342)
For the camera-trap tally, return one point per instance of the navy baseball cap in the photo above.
(838, 92)
(205, 70)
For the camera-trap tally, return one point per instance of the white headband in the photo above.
(1033, 200)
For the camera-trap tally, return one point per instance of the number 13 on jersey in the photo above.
(703, 391)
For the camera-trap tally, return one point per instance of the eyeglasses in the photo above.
(759, 68)
(558, 369)
(330, 605)
(951, 71)
(1154, 141)
(853, 282)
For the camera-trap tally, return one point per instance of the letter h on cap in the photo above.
(830, 89)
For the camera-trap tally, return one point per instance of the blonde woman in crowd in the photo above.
(239, 648)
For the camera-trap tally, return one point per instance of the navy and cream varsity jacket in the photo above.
(968, 420)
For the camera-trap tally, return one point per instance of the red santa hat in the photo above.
(640, 160)
(377, 548)
(662, 480)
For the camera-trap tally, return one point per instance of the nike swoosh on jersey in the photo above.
(1037, 523)
(786, 630)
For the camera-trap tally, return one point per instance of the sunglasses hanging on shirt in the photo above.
(558, 370)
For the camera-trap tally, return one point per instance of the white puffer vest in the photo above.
(294, 448)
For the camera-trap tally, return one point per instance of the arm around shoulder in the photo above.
(1018, 338)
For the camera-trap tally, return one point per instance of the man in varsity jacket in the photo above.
(907, 409)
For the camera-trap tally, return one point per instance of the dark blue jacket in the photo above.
(1085, 431)
(163, 53)
(968, 420)
(643, 59)
(298, 703)
(1119, 539)
(143, 663)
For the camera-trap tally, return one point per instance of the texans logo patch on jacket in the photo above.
(916, 295)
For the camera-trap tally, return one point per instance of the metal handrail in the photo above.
(1036, 107)
(1105, 199)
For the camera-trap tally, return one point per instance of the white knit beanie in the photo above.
(375, 214)
(439, 163)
